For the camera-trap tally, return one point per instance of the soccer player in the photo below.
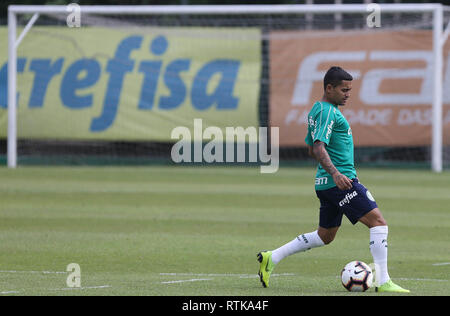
(330, 142)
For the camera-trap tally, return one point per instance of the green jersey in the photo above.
(327, 124)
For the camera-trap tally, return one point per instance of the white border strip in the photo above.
(225, 9)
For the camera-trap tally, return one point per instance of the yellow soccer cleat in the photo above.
(390, 286)
(266, 266)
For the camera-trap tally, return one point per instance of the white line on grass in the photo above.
(81, 288)
(243, 276)
(40, 272)
(413, 279)
(181, 281)
(65, 289)
(273, 275)
(441, 264)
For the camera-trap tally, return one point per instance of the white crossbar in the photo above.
(225, 9)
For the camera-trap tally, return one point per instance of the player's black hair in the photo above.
(334, 76)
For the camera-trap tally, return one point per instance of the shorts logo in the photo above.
(369, 196)
(347, 198)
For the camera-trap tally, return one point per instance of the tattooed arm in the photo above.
(319, 152)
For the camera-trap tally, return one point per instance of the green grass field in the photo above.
(196, 231)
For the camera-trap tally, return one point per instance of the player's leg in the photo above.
(329, 222)
(372, 217)
(303, 242)
(330, 219)
(379, 249)
(360, 206)
(327, 235)
(378, 230)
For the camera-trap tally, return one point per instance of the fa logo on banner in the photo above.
(374, 18)
(74, 18)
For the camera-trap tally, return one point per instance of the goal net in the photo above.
(114, 89)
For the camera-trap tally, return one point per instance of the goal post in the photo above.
(438, 41)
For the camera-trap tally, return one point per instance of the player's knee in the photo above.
(376, 223)
(379, 221)
(373, 218)
(327, 234)
(327, 238)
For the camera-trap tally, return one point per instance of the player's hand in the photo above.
(342, 182)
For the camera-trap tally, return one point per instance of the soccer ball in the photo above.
(357, 276)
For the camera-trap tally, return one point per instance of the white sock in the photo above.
(301, 243)
(379, 250)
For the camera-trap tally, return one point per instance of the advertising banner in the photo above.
(391, 97)
(131, 83)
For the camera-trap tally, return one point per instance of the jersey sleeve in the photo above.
(308, 139)
(323, 125)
